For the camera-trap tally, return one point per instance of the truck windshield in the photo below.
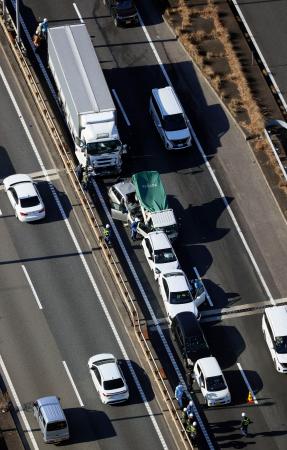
(97, 148)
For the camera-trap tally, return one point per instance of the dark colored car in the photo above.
(189, 338)
(124, 12)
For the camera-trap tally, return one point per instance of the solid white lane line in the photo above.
(78, 13)
(18, 404)
(73, 383)
(206, 293)
(1, 214)
(247, 383)
(32, 287)
(149, 307)
(121, 108)
(88, 271)
(211, 172)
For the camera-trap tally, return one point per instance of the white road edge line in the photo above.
(154, 320)
(73, 383)
(247, 383)
(78, 13)
(206, 293)
(88, 271)
(18, 404)
(32, 287)
(221, 193)
(121, 108)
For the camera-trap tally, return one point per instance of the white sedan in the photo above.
(159, 253)
(24, 197)
(179, 295)
(108, 378)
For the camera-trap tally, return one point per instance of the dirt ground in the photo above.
(211, 34)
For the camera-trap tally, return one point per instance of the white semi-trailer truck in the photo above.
(85, 98)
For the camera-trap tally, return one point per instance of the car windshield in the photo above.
(281, 344)
(60, 425)
(174, 122)
(164, 256)
(195, 344)
(177, 298)
(98, 148)
(29, 202)
(110, 385)
(215, 384)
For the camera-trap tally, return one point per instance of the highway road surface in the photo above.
(231, 229)
(268, 24)
(57, 309)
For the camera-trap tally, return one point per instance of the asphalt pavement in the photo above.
(238, 268)
(53, 304)
(268, 24)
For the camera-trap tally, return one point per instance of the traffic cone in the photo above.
(250, 398)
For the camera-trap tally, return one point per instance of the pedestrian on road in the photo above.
(191, 430)
(79, 172)
(184, 417)
(189, 408)
(190, 380)
(134, 229)
(107, 234)
(178, 393)
(245, 421)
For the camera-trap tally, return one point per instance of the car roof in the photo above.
(168, 100)
(210, 366)
(125, 187)
(177, 281)
(159, 240)
(188, 323)
(25, 189)
(109, 371)
(51, 409)
(277, 316)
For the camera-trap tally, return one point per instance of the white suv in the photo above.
(211, 381)
(178, 294)
(159, 253)
(170, 119)
(274, 327)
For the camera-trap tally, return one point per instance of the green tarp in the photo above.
(150, 191)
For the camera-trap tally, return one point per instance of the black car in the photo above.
(189, 338)
(124, 12)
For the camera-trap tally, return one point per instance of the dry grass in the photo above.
(192, 42)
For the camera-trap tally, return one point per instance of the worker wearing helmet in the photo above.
(107, 234)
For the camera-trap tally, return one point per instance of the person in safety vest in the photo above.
(107, 234)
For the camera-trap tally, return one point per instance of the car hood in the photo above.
(220, 395)
(173, 310)
(167, 267)
(178, 134)
(282, 358)
(17, 178)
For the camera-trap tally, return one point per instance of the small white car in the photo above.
(211, 381)
(159, 253)
(108, 378)
(178, 294)
(24, 197)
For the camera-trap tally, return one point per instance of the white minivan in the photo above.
(51, 419)
(274, 327)
(170, 119)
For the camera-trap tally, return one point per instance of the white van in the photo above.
(274, 327)
(51, 419)
(170, 119)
